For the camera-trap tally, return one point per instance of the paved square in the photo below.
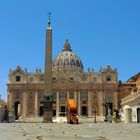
(64, 131)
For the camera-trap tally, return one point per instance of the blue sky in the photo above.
(101, 32)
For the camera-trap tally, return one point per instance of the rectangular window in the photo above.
(94, 79)
(18, 78)
(63, 96)
(71, 78)
(108, 78)
(17, 95)
(71, 95)
(84, 95)
(31, 79)
(41, 78)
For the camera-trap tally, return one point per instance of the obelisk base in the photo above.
(48, 109)
(47, 117)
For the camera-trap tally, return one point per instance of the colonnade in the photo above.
(77, 99)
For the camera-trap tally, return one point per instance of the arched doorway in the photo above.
(84, 110)
(138, 115)
(17, 109)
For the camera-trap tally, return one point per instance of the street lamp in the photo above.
(95, 116)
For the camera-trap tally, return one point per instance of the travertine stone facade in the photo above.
(90, 90)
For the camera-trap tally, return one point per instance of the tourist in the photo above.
(109, 116)
(6, 114)
(114, 116)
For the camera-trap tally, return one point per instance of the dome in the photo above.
(67, 59)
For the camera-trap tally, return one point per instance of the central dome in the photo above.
(67, 60)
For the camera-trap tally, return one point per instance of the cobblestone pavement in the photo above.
(64, 131)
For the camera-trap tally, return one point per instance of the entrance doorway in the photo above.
(54, 112)
(63, 110)
(17, 109)
(41, 111)
(84, 110)
(138, 115)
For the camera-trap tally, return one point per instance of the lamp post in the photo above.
(95, 115)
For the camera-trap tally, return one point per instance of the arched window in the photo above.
(108, 78)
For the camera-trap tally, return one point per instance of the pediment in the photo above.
(18, 70)
(108, 69)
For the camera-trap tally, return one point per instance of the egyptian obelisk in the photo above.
(48, 113)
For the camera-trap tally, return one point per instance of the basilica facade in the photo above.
(93, 92)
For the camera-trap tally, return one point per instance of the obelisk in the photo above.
(48, 100)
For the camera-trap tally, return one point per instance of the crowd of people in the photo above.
(114, 116)
(111, 116)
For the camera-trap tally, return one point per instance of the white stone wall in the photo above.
(134, 112)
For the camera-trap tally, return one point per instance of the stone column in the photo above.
(36, 104)
(57, 104)
(115, 100)
(24, 104)
(75, 97)
(101, 101)
(89, 104)
(79, 104)
(68, 95)
(19, 108)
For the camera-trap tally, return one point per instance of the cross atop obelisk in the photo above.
(49, 19)
(48, 113)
